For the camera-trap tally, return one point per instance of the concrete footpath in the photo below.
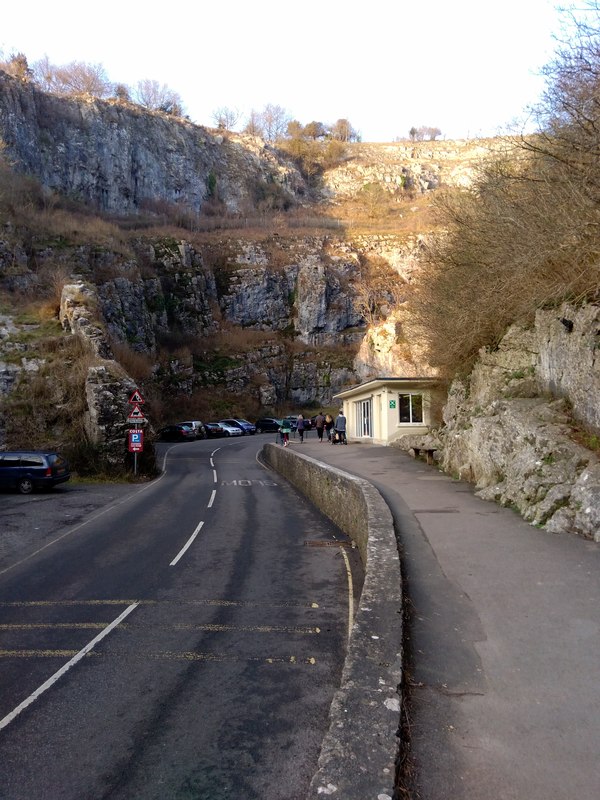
(502, 648)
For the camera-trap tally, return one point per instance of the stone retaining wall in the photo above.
(360, 751)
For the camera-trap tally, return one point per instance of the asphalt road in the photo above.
(177, 640)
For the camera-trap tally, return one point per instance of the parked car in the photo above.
(27, 470)
(267, 425)
(230, 430)
(176, 433)
(197, 427)
(247, 427)
(214, 430)
(243, 424)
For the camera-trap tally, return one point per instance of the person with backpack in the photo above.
(285, 430)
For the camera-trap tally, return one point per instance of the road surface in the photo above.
(184, 641)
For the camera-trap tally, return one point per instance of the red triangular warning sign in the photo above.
(136, 397)
(136, 413)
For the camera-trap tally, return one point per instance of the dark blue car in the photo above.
(27, 470)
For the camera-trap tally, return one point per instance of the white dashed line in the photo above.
(212, 498)
(187, 544)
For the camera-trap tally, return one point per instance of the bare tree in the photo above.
(254, 125)
(226, 118)
(343, 131)
(122, 92)
(424, 132)
(158, 97)
(271, 123)
(275, 120)
(74, 78)
(17, 66)
(44, 74)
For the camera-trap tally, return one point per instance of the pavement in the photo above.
(502, 642)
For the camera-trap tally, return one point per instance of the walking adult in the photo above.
(319, 425)
(328, 426)
(301, 427)
(340, 427)
(285, 431)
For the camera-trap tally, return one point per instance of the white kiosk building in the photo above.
(384, 409)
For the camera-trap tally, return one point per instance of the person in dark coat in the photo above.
(328, 426)
(340, 427)
(319, 425)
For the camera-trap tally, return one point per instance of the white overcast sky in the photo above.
(468, 67)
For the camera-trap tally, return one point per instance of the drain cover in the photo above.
(329, 543)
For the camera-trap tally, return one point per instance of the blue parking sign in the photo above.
(136, 440)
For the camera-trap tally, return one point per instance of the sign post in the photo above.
(135, 443)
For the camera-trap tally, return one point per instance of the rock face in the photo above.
(510, 427)
(416, 166)
(121, 158)
(569, 358)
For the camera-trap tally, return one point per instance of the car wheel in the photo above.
(25, 485)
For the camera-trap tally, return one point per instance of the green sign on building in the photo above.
(392, 404)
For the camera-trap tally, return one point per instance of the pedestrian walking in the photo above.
(285, 430)
(329, 426)
(340, 427)
(319, 425)
(300, 427)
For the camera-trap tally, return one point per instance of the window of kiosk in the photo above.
(410, 408)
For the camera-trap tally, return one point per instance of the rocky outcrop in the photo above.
(107, 391)
(417, 167)
(306, 293)
(568, 341)
(517, 427)
(107, 387)
(77, 312)
(121, 158)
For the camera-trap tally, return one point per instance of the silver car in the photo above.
(230, 430)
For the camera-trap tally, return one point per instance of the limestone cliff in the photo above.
(121, 158)
(523, 427)
(417, 167)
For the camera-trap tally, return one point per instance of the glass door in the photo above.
(364, 418)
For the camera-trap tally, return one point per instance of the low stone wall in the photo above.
(359, 753)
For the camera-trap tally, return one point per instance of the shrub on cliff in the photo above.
(526, 233)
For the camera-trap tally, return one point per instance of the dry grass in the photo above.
(138, 365)
(233, 339)
(47, 407)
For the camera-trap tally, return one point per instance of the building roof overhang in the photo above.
(388, 383)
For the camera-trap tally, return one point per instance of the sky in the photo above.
(467, 67)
